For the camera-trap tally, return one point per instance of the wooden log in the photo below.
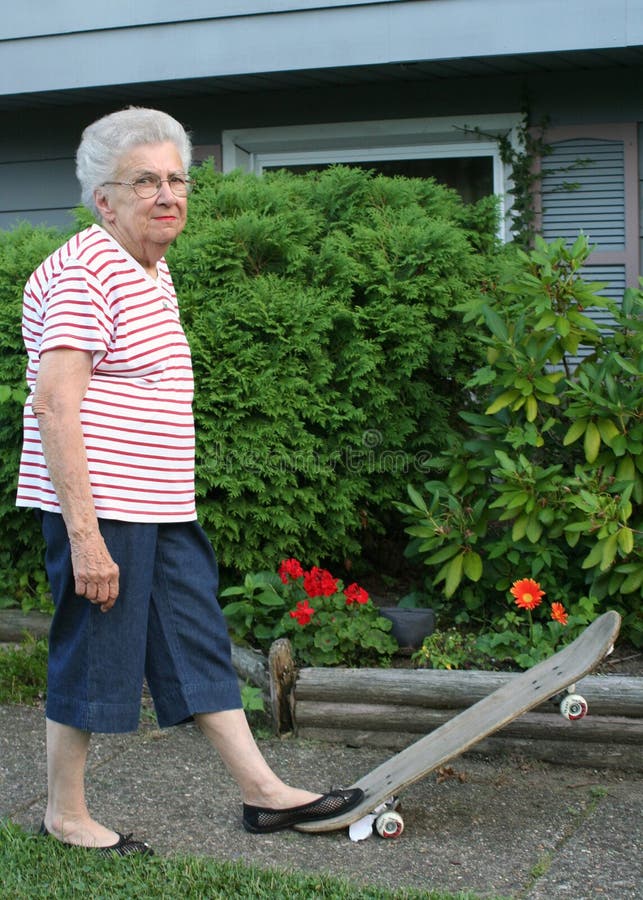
(595, 755)
(251, 665)
(282, 677)
(15, 624)
(414, 720)
(443, 689)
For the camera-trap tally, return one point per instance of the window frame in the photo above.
(255, 149)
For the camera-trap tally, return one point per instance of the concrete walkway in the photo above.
(511, 828)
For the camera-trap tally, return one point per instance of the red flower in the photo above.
(303, 612)
(290, 569)
(527, 593)
(319, 583)
(355, 594)
(558, 613)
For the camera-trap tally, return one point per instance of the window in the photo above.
(459, 152)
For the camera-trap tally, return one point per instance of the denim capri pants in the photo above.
(166, 626)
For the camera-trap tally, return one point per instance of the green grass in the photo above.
(23, 672)
(33, 868)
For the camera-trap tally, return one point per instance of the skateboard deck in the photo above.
(521, 694)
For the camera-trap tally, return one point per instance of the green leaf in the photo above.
(416, 498)
(625, 470)
(534, 529)
(531, 408)
(454, 575)
(608, 430)
(625, 540)
(610, 546)
(562, 326)
(495, 324)
(519, 528)
(472, 566)
(505, 399)
(633, 582)
(423, 531)
(547, 319)
(592, 442)
(575, 431)
(442, 555)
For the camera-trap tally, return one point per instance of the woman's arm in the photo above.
(63, 378)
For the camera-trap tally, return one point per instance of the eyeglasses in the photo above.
(148, 186)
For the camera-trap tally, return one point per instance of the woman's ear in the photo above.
(103, 205)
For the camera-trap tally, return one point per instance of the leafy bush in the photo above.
(343, 627)
(545, 480)
(450, 648)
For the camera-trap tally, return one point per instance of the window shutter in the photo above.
(583, 188)
(589, 184)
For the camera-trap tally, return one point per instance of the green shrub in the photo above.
(328, 356)
(450, 648)
(545, 480)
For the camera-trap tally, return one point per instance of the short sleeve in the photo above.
(77, 315)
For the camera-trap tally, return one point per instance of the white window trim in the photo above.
(254, 149)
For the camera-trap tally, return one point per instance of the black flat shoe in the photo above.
(262, 820)
(124, 846)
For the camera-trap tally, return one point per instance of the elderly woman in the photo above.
(108, 463)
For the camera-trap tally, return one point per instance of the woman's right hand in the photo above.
(96, 575)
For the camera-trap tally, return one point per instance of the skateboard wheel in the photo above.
(574, 707)
(389, 824)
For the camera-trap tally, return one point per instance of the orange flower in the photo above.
(558, 613)
(527, 593)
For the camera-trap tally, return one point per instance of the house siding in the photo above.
(65, 70)
(74, 47)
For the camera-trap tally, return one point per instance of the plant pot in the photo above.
(410, 626)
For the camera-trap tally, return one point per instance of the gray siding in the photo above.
(38, 191)
(76, 46)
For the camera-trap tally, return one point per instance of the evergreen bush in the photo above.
(329, 358)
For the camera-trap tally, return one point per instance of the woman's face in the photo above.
(144, 227)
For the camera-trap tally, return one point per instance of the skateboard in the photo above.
(554, 677)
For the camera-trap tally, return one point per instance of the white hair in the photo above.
(106, 141)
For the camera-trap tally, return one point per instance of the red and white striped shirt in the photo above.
(136, 416)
